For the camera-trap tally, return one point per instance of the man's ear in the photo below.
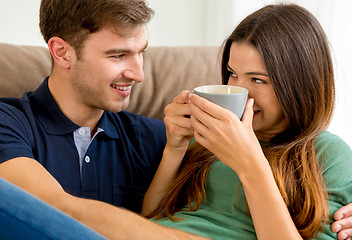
(61, 52)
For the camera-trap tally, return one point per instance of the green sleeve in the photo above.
(335, 157)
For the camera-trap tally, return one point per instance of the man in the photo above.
(69, 143)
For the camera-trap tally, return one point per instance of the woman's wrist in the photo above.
(176, 150)
(255, 172)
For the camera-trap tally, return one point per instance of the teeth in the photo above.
(120, 87)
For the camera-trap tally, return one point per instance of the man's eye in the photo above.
(118, 56)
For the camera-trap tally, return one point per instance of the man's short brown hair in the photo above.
(74, 20)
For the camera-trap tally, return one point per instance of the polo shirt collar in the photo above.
(55, 121)
(49, 113)
(106, 123)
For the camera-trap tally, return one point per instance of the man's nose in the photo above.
(134, 68)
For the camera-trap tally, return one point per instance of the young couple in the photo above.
(275, 174)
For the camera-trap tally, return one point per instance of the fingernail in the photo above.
(344, 236)
(338, 228)
(189, 97)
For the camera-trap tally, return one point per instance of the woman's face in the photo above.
(247, 70)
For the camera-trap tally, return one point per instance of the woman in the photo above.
(229, 185)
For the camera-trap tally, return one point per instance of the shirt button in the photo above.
(87, 159)
(81, 131)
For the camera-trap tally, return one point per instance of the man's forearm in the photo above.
(118, 223)
(110, 221)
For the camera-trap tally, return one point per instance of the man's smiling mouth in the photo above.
(122, 88)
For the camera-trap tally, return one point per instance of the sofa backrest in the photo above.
(168, 71)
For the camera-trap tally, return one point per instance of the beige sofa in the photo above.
(168, 70)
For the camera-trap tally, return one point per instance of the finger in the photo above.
(197, 112)
(345, 234)
(198, 126)
(207, 106)
(180, 132)
(177, 110)
(200, 139)
(197, 137)
(343, 227)
(182, 97)
(200, 120)
(336, 227)
(180, 121)
(247, 117)
(343, 212)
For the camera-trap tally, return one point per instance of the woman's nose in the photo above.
(238, 82)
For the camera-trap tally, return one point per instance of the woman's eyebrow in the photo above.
(250, 73)
(258, 73)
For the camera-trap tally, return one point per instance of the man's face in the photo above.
(108, 67)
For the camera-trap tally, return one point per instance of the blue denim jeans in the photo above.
(23, 216)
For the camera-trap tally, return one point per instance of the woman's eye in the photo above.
(231, 74)
(257, 80)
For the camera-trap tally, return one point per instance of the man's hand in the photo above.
(343, 224)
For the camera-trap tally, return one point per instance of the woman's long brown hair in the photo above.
(295, 51)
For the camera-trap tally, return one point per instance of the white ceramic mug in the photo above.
(233, 98)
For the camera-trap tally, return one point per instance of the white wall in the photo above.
(208, 22)
(176, 22)
(19, 21)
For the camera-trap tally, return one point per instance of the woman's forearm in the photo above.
(165, 174)
(268, 210)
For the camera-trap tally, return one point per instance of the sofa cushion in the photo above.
(168, 70)
(22, 68)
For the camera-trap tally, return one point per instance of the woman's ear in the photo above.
(61, 52)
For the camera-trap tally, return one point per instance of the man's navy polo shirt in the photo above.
(122, 159)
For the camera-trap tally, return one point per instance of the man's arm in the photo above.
(110, 221)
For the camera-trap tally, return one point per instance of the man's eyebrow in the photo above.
(122, 50)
